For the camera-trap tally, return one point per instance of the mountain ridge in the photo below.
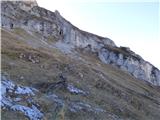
(70, 35)
(53, 70)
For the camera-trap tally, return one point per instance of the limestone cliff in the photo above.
(31, 17)
(51, 70)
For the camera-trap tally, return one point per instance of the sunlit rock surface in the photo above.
(53, 70)
(70, 37)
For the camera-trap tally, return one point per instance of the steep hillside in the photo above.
(51, 70)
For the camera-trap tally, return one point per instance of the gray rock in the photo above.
(81, 106)
(75, 90)
(120, 60)
(56, 99)
(33, 18)
(103, 55)
(137, 67)
(9, 88)
(112, 57)
(32, 112)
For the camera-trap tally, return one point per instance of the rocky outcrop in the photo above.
(19, 98)
(14, 98)
(49, 24)
(128, 61)
(33, 18)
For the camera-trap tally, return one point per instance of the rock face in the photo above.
(128, 61)
(31, 17)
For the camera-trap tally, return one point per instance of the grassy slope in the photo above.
(109, 88)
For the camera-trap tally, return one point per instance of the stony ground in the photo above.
(40, 79)
(51, 70)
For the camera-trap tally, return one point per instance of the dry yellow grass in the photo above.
(109, 88)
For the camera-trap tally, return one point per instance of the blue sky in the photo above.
(127, 23)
